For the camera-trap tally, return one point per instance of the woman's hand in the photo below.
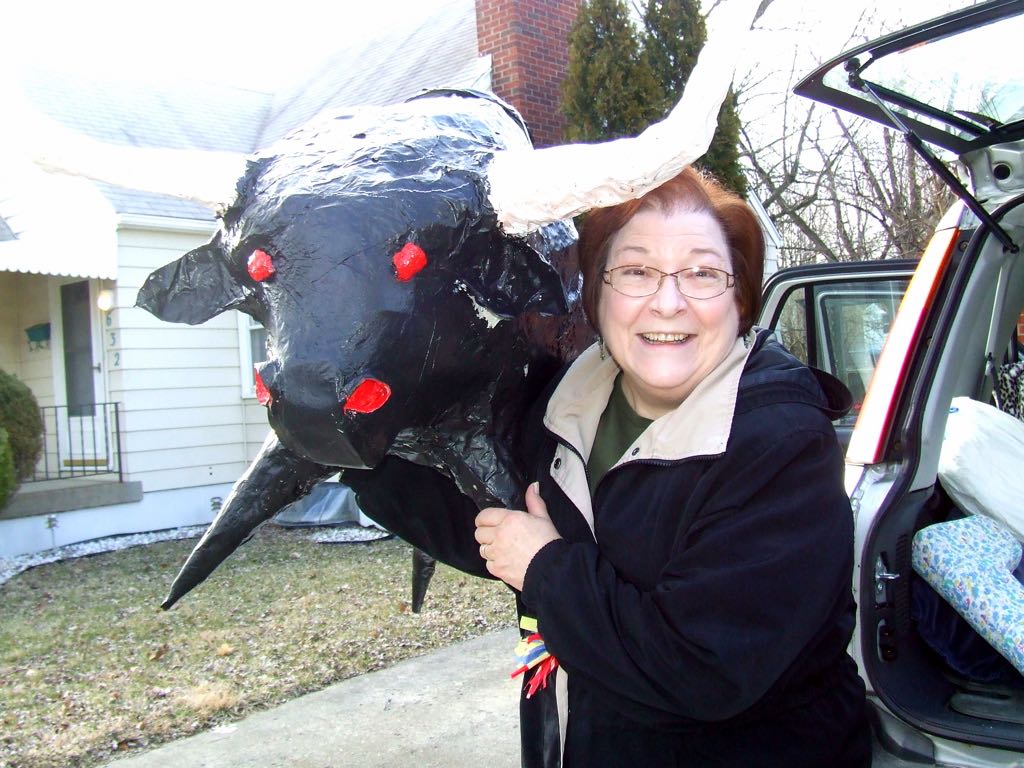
(509, 538)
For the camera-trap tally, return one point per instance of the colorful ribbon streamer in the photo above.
(532, 653)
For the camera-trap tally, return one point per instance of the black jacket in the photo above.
(707, 624)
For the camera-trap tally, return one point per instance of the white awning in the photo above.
(62, 225)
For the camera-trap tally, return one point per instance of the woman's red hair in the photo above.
(689, 191)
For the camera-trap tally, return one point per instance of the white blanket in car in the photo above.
(981, 464)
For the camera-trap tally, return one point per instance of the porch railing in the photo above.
(79, 441)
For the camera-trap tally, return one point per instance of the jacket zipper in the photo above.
(630, 462)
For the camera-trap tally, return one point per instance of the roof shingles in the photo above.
(388, 67)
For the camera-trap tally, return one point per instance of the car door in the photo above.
(836, 317)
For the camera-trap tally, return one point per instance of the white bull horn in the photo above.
(530, 188)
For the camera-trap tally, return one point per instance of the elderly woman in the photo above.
(687, 549)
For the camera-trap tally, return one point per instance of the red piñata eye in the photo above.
(367, 397)
(262, 393)
(408, 261)
(260, 265)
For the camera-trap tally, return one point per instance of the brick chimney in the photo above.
(529, 48)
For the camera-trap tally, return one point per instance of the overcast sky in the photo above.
(260, 44)
(251, 43)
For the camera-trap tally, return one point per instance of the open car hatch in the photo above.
(950, 85)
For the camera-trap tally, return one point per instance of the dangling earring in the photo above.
(602, 348)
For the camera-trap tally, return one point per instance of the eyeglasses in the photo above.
(637, 280)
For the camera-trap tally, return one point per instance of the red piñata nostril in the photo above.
(367, 397)
(262, 393)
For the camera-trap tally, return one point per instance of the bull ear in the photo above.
(510, 277)
(192, 289)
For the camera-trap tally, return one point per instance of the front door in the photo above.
(82, 422)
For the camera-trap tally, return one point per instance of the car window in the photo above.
(920, 79)
(968, 95)
(840, 327)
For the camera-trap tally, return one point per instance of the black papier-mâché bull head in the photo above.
(401, 318)
(413, 267)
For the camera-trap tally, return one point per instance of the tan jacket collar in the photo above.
(700, 426)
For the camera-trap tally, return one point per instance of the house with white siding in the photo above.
(148, 424)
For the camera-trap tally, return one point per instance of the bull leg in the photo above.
(276, 478)
(422, 571)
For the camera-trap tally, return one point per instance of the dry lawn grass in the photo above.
(90, 666)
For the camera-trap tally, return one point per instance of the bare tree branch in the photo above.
(836, 187)
(757, 15)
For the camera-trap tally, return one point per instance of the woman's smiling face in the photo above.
(667, 343)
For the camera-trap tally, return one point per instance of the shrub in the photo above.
(8, 480)
(19, 415)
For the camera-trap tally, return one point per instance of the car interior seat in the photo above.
(970, 562)
(974, 562)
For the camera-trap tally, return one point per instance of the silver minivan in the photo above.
(940, 639)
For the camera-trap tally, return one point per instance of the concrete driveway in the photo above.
(450, 708)
(453, 708)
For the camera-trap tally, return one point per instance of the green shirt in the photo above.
(618, 429)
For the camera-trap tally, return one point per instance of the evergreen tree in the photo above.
(675, 34)
(723, 156)
(609, 89)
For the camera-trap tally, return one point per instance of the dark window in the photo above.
(76, 314)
